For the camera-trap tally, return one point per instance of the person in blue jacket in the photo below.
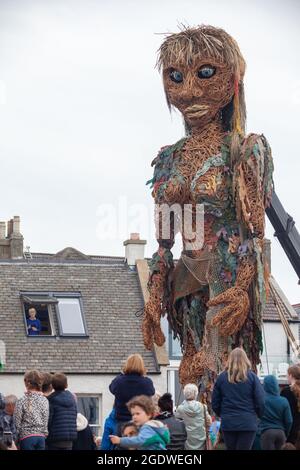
(110, 427)
(238, 398)
(277, 420)
(34, 326)
(131, 383)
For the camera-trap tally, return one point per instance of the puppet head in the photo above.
(203, 72)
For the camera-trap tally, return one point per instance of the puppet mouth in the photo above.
(197, 110)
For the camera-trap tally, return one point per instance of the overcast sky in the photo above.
(82, 113)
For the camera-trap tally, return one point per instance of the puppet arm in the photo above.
(160, 267)
(253, 185)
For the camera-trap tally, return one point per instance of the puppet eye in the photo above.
(206, 71)
(176, 76)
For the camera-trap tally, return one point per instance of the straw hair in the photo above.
(192, 45)
(134, 365)
(238, 366)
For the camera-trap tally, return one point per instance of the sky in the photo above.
(83, 113)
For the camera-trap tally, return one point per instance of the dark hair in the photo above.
(144, 402)
(33, 379)
(165, 402)
(129, 424)
(47, 382)
(59, 381)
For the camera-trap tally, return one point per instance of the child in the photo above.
(153, 435)
(31, 413)
(128, 430)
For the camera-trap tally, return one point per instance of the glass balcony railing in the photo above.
(276, 365)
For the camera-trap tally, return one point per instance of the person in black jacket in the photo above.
(292, 394)
(128, 385)
(238, 398)
(178, 434)
(62, 425)
(85, 439)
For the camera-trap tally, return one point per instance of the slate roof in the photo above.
(271, 311)
(296, 307)
(111, 296)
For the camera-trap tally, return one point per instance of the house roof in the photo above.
(111, 297)
(296, 307)
(271, 310)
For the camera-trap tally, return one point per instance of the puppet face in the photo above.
(199, 91)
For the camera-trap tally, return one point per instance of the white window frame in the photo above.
(99, 397)
(58, 315)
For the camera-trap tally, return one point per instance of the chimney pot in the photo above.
(134, 236)
(134, 249)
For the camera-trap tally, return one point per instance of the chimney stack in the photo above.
(11, 244)
(9, 228)
(2, 230)
(16, 225)
(134, 249)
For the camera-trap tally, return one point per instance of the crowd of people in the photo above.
(45, 417)
(244, 414)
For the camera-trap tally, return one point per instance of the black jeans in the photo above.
(272, 439)
(60, 445)
(239, 440)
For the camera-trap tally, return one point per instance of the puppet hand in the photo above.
(232, 316)
(152, 332)
(153, 309)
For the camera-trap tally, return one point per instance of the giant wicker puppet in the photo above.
(214, 295)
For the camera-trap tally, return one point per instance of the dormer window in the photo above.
(53, 314)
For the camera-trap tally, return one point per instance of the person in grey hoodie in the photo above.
(277, 420)
(195, 417)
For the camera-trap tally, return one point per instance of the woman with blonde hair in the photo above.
(238, 398)
(129, 384)
(292, 394)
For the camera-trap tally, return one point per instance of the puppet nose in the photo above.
(191, 89)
